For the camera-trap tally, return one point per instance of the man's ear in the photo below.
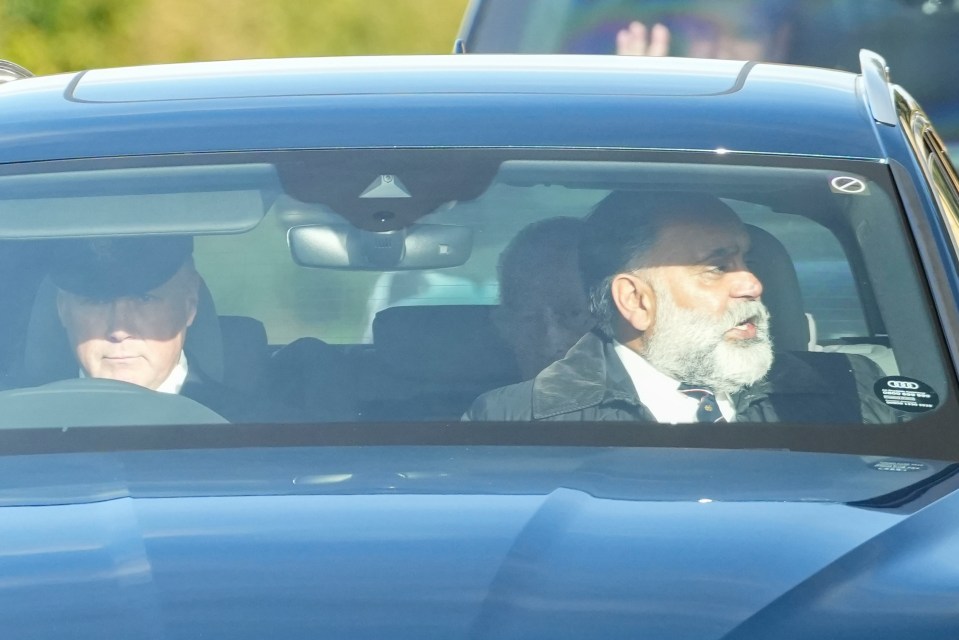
(634, 299)
(193, 296)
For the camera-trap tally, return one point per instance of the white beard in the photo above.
(689, 345)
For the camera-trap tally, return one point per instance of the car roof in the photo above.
(428, 101)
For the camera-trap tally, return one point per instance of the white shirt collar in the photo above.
(174, 381)
(660, 393)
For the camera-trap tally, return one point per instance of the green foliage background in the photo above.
(49, 36)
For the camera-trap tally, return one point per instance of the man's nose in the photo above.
(120, 320)
(746, 284)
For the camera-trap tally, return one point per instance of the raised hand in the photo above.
(637, 40)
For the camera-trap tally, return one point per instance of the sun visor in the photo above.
(184, 200)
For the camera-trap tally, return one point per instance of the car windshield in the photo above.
(364, 285)
(825, 33)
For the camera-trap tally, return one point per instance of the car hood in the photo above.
(480, 542)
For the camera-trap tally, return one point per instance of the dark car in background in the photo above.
(347, 217)
(916, 37)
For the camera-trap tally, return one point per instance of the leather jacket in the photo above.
(591, 384)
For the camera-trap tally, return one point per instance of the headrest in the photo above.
(47, 353)
(770, 262)
(443, 342)
(246, 352)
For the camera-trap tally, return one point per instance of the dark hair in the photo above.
(543, 242)
(617, 235)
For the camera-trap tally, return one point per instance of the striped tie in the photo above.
(708, 410)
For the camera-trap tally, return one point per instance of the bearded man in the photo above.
(682, 334)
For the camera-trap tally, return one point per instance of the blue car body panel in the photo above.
(225, 107)
(486, 542)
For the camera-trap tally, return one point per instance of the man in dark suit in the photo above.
(126, 305)
(682, 334)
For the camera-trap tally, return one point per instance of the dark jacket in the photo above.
(234, 405)
(591, 384)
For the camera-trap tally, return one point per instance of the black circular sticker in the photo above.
(906, 394)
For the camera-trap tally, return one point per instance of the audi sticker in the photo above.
(906, 394)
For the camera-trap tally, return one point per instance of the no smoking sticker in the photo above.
(906, 394)
(848, 185)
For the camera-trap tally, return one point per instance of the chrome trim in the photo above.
(467, 24)
(10, 71)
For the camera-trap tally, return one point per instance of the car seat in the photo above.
(246, 352)
(431, 362)
(793, 329)
(769, 261)
(426, 363)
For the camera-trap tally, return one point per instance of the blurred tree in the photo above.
(48, 36)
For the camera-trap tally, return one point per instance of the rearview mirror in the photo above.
(343, 246)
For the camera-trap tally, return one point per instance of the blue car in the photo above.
(275, 362)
